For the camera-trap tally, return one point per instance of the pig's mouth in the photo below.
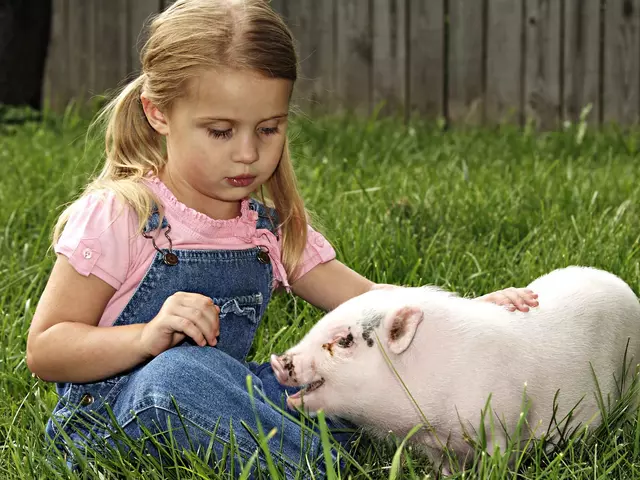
(308, 388)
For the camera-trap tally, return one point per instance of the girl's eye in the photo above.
(269, 130)
(219, 133)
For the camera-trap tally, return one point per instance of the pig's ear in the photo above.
(401, 327)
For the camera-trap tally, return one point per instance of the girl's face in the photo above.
(224, 139)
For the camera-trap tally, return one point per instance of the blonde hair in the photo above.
(189, 36)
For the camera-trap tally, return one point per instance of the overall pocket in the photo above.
(239, 319)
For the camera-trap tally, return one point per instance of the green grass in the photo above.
(472, 211)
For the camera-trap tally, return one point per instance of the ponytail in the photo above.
(132, 147)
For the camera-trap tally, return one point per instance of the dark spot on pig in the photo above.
(287, 363)
(366, 336)
(397, 329)
(371, 319)
(328, 347)
(346, 342)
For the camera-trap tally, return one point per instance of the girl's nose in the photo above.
(246, 152)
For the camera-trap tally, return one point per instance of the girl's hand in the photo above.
(512, 298)
(182, 314)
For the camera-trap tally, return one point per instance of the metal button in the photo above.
(87, 399)
(170, 258)
(263, 257)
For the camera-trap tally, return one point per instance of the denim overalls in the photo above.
(207, 383)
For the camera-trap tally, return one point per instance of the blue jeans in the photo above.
(188, 393)
(195, 377)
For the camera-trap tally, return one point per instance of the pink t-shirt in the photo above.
(101, 238)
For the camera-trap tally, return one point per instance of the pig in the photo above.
(455, 354)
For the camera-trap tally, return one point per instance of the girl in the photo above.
(167, 247)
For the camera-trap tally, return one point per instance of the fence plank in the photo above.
(280, 6)
(581, 59)
(504, 61)
(354, 55)
(139, 13)
(426, 58)
(389, 55)
(543, 55)
(324, 54)
(312, 24)
(465, 63)
(111, 48)
(57, 90)
(621, 58)
(79, 37)
(301, 23)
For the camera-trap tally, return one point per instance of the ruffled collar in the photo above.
(242, 225)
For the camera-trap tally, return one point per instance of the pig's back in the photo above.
(581, 307)
(584, 319)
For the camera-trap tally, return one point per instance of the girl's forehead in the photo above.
(237, 95)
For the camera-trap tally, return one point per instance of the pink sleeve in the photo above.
(318, 250)
(97, 238)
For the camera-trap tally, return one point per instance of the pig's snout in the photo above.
(284, 369)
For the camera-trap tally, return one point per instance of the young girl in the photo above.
(166, 264)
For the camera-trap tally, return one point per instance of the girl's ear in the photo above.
(400, 327)
(154, 116)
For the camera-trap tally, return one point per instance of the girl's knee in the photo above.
(187, 368)
(202, 381)
(193, 358)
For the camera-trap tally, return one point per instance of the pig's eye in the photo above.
(346, 342)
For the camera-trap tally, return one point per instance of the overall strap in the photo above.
(154, 220)
(267, 217)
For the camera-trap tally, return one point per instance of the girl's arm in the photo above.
(65, 344)
(327, 285)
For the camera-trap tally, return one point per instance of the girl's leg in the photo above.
(210, 390)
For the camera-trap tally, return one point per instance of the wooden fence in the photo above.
(466, 61)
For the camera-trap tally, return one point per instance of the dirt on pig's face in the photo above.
(336, 361)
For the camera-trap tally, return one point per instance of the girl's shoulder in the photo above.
(99, 236)
(100, 210)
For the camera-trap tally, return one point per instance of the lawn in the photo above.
(471, 211)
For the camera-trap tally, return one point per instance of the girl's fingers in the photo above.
(186, 326)
(506, 301)
(513, 298)
(517, 298)
(529, 297)
(206, 305)
(205, 319)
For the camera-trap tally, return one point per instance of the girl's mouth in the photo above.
(241, 181)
